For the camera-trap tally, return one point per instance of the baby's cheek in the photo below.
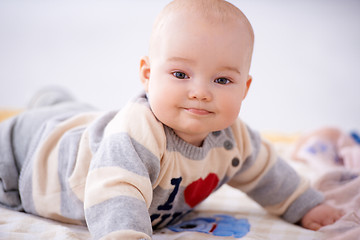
(231, 113)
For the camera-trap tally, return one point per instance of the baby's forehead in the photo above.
(183, 15)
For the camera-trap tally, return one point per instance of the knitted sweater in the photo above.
(124, 173)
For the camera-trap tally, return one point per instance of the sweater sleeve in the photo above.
(271, 181)
(122, 172)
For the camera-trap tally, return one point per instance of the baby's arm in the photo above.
(320, 216)
(118, 191)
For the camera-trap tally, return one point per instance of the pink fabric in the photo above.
(342, 190)
(335, 156)
(328, 149)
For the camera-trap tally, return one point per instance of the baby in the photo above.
(124, 173)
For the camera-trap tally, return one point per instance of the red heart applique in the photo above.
(200, 189)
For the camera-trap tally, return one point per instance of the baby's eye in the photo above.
(222, 81)
(180, 75)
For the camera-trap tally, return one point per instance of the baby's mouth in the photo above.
(198, 111)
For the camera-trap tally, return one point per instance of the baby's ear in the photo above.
(248, 83)
(145, 72)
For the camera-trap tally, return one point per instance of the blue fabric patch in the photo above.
(355, 136)
(318, 147)
(219, 225)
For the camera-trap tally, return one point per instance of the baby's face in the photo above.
(198, 75)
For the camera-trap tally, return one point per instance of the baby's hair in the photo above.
(212, 10)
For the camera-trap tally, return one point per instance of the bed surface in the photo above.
(16, 225)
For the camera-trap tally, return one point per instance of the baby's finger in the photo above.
(329, 221)
(313, 226)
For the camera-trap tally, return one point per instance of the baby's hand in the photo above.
(320, 216)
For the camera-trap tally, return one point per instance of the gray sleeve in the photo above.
(273, 182)
(122, 212)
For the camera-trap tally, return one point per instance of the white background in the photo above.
(305, 67)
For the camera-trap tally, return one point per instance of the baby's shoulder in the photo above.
(137, 122)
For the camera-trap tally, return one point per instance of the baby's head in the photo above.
(197, 71)
(209, 11)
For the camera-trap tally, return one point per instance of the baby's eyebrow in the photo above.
(190, 61)
(180, 59)
(232, 69)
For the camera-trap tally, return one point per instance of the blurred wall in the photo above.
(305, 65)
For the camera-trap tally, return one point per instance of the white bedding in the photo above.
(17, 225)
